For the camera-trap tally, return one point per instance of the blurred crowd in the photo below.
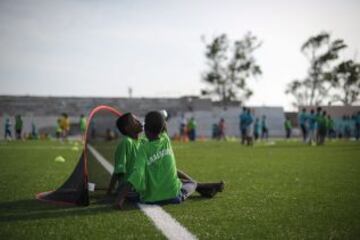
(62, 129)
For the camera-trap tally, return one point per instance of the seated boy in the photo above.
(155, 176)
(125, 154)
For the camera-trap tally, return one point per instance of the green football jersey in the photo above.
(83, 124)
(155, 174)
(321, 121)
(125, 156)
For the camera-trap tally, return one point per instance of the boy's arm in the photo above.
(120, 199)
(114, 178)
(119, 168)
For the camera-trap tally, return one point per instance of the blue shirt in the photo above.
(303, 118)
(312, 121)
(257, 127)
(249, 119)
(7, 125)
(263, 123)
(243, 119)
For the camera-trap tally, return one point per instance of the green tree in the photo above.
(346, 82)
(229, 67)
(320, 51)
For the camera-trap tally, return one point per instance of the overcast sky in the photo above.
(100, 48)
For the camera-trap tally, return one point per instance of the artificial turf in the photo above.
(282, 191)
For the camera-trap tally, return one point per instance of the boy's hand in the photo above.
(119, 202)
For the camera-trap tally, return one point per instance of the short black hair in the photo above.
(122, 121)
(154, 122)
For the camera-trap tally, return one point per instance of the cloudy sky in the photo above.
(101, 48)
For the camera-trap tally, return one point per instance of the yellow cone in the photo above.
(75, 148)
(59, 159)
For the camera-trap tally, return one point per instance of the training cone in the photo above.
(75, 148)
(59, 159)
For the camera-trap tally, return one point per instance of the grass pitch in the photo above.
(281, 191)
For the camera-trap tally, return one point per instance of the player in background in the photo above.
(357, 126)
(221, 130)
(191, 128)
(257, 129)
(183, 129)
(249, 127)
(82, 124)
(303, 118)
(65, 126)
(18, 126)
(34, 132)
(322, 128)
(312, 127)
(288, 128)
(330, 127)
(347, 127)
(264, 128)
(318, 119)
(242, 125)
(8, 133)
(215, 131)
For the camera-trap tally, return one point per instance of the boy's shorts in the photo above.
(188, 187)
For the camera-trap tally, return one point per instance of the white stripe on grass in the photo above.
(101, 159)
(171, 228)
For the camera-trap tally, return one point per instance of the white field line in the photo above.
(101, 159)
(171, 228)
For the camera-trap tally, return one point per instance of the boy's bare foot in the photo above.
(221, 186)
(211, 192)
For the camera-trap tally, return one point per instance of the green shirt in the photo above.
(191, 125)
(83, 124)
(321, 121)
(155, 174)
(18, 123)
(125, 156)
(287, 124)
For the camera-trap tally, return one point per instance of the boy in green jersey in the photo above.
(288, 128)
(155, 176)
(126, 150)
(330, 127)
(322, 127)
(18, 126)
(82, 123)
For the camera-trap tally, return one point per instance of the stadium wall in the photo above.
(44, 111)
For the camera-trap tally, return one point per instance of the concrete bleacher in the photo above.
(74, 106)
